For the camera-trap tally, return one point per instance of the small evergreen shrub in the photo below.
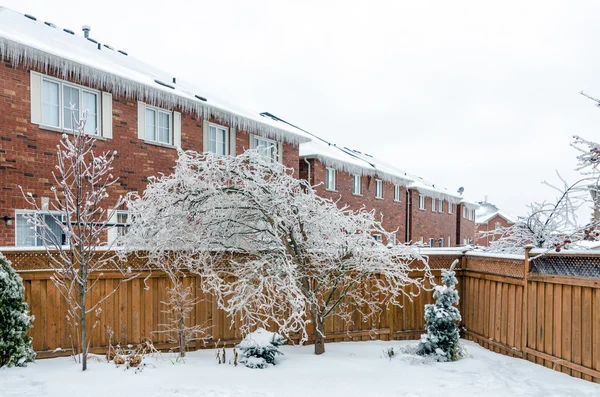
(15, 345)
(442, 318)
(259, 348)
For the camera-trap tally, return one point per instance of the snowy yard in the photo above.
(346, 369)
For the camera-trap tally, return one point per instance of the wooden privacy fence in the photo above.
(549, 319)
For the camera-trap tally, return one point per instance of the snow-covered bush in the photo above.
(15, 345)
(259, 348)
(442, 318)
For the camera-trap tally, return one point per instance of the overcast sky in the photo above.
(476, 94)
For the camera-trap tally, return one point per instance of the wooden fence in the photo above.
(548, 319)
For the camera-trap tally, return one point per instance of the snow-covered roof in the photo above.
(488, 211)
(44, 46)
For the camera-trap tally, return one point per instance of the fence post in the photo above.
(525, 325)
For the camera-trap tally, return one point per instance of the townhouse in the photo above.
(490, 220)
(147, 114)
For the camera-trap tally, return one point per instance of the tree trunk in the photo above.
(83, 341)
(319, 332)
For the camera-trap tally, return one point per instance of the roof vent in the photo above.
(31, 17)
(50, 24)
(201, 98)
(109, 47)
(174, 80)
(123, 52)
(86, 31)
(92, 40)
(164, 84)
(69, 31)
(99, 46)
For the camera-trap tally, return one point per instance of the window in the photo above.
(450, 205)
(396, 192)
(432, 204)
(378, 237)
(122, 223)
(60, 98)
(392, 239)
(217, 140)
(441, 242)
(158, 125)
(378, 188)
(356, 184)
(431, 242)
(421, 202)
(28, 235)
(471, 214)
(441, 205)
(266, 147)
(330, 179)
(449, 243)
(497, 226)
(464, 212)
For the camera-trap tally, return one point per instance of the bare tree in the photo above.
(73, 227)
(270, 250)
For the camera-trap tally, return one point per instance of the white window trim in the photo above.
(421, 202)
(329, 179)
(158, 111)
(449, 242)
(397, 193)
(379, 189)
(61, 120)
(440, 206)
(450, 205)
(24, 212)
(464, 212)
(431, 242)
(433, 205)
(354, 177)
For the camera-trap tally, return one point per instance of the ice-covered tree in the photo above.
(81, 209)
(442, 318)
(15, 321)
(270, 250)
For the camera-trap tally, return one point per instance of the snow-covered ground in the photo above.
(346, 369)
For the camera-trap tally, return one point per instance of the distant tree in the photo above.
(15, 321)
(267, 247)
(79, 209)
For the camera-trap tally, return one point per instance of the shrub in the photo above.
(15, 345)
(259, 348)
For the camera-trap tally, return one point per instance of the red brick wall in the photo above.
(489, 225)
(394, 213)
(466, 227)
(428, 224)
(28, 153)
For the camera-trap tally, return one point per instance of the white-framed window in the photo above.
(356, 184)
(397, 193)
(450, 205)
(441, 242)
(464, 212)
(378, 237)
(378, 188)
(29, 235)
(421, 202)
(61, 101)
(433, 205)
(218, 140)
(392, 239)
(471, 214)
(266, 147)
(431, 242)
(122, 222)
(440, 205)
(330, 179)
(159, 125)
(497, 226)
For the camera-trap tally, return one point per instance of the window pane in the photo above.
(90, 103)
(221, 142)
(212, 139)
(25, 233)
(50, 104)
(150, 125)
(164, 127)
(54, 232)
(70, 99)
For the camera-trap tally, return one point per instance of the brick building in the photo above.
(489, 218)
(146, 114)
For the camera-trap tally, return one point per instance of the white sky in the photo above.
(469, 94)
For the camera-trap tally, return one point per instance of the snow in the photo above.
(260, 338)
(35, 44)
(346, 369)
(487, 211)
